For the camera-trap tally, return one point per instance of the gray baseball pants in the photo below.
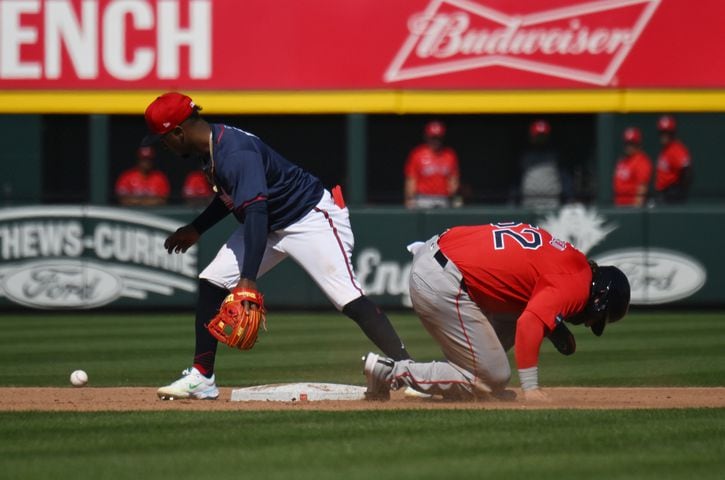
(473, 343)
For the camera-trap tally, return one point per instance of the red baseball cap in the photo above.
(666, 123)
(435, 129)
(166, 113)
(633, 135)
(539, 127)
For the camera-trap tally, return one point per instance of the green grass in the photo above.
(149, 349)
(664, 444)
(652, 349)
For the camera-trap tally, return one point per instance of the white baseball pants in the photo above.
(321, 242)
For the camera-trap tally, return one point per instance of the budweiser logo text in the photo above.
(445, 36)
(583, 42)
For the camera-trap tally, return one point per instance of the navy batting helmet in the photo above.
(609, 297)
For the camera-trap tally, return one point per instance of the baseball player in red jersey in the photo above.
(674, 172)
(143, 185)
(431, 171)
(479, 290)
(633, 171)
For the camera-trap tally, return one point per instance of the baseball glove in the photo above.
(236, 326)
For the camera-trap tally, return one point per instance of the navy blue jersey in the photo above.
(248, 171)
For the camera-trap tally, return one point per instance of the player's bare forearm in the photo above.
(410, 192)
(453, 184)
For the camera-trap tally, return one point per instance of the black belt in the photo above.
(443, 261)
(440, 258)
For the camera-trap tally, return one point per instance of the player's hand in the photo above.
(536, 395)
(249, 285)
(182, 239)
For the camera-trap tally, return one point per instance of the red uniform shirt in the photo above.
(196, 186)
(631, 173)
(431, 170)
(673, 158)
(519, 268)
(134, 183)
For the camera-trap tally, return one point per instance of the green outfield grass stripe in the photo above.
(360, 445)
(150, 349)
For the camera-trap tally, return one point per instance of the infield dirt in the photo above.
(90, 399)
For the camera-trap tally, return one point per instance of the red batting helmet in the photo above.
(633, 135)
(666, 123)
(539, 127)
(435, 129)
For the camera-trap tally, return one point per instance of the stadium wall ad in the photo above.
(600, 46)
(84, 257)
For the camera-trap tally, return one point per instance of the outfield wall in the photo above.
(80, 256)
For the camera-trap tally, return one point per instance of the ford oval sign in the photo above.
(656, 275)
(62, 284)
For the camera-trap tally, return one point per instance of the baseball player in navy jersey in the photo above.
(283, 211)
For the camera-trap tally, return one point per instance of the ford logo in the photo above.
(61, 284)
(656, 275)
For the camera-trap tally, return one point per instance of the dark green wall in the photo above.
(22, 153)
(51, 158)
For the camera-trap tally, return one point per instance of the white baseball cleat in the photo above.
(376, 371)
(412, 393)
(192, 385)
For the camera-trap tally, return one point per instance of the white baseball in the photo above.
(78, 378)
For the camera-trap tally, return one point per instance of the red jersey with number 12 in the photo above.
(512, 267)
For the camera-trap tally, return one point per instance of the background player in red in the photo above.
(633, 171)
(143, 184)
(431, 171)
(196, 189)
(479, 290)
(674, 170)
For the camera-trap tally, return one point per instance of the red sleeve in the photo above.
(122, 185)
(682, 157)
(530, 331)
(161, 185)
(644, 170)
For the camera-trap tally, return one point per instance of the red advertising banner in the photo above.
(360, 44)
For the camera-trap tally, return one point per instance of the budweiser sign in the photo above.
(585, 42)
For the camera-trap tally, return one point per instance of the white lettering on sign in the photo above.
(84, 257)
(172, 38)
(584, 42)
(379, 277)
(64, 28)
(13, 36)
(141, 59)
(125, 39)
